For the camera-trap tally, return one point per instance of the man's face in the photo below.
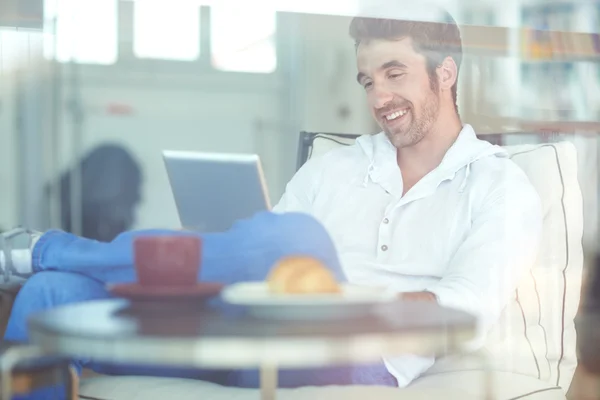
(399, 91)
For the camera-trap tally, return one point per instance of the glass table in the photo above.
(114, 331)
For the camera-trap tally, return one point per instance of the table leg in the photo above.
(9, 361)
(454, 346)
(268, 382)
(488, 377)
(72, 383)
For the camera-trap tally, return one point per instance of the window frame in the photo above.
(131, 22)
(128, 61)
(51, 27)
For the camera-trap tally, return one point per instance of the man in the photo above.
(423, 208)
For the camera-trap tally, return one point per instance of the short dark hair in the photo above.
(435, 40)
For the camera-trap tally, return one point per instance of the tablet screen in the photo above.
(213, 190)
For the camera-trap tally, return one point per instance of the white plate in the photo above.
(353, 301)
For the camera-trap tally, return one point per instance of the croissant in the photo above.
(301, 275)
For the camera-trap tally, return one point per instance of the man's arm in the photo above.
(300, 191)
(502, 245)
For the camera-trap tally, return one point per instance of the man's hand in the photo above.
(418, 296)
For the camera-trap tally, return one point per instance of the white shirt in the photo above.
(466, 232)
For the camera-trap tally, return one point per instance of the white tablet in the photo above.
(213, 190)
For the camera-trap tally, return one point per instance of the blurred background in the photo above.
(96, 89)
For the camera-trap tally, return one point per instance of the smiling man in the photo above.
(423, 208)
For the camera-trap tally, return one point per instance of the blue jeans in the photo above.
(69, 269)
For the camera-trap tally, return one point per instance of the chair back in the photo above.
(536, 334)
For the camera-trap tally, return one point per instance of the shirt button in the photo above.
(384, 248)
(386, 221)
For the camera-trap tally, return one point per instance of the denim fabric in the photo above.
(69, 269)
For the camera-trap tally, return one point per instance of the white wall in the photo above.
(8, 169)
(328, 79)
(20, 50)
(219, 112)
(196, 117)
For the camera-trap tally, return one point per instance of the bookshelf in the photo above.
(535, 45)
(543, 73)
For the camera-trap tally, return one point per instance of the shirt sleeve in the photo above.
(300, 192)
(502, 245)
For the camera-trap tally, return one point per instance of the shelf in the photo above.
(560, 126)
(552, 45)
(549, 6)
(558, 61)
(536, 45)
(485, 40)
(490, 124)
(550, 67)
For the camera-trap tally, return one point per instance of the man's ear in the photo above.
(447, 73)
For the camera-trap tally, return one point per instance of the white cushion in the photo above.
(537, 328)
(536, 333)
(465, 385)
(505, 385)
(322, 143)
(147, 388)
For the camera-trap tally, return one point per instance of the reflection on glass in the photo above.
(166, 30)
(18, 48)
(243, 39)
(85, 31)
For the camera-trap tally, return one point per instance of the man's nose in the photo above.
(381, 96)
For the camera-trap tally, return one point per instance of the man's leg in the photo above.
(300, 234)
(246, 252)
(46, 290)
(374, 374)
(50, 289)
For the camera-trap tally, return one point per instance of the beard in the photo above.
(420, 125)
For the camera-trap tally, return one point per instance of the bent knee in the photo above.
(299, 233)
(59, 287)
(46, 290)
(302, 221)
(295, 224)
(304, 228)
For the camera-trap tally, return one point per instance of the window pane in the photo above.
(243, 39)
(166, 30)
(18, 48)
(84, 31)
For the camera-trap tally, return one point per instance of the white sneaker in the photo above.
(16, 246)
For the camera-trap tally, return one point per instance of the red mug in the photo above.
(167, 260)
